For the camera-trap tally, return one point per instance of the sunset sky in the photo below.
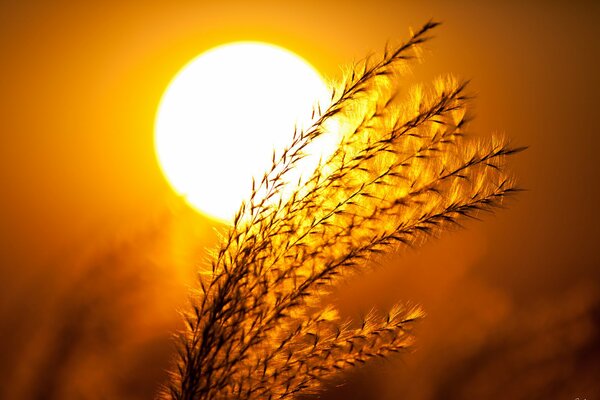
(98, 253)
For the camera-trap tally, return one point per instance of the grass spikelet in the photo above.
(403, 170)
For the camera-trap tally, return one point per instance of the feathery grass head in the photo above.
(403, 169)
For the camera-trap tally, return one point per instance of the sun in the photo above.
(225, 112)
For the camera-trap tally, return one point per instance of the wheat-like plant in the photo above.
(403, 169)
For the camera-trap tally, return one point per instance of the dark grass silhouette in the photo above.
(403, 170)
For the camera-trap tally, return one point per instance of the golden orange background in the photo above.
(97, 253)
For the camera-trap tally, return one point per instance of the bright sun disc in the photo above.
(224, 113)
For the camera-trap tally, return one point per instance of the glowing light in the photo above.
(224, 113)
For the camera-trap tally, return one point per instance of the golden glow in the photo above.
(224, 113)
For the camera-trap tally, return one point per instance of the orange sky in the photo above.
(80, 83)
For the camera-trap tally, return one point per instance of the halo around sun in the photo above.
(225, 112)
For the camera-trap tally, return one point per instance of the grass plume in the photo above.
(258, 328)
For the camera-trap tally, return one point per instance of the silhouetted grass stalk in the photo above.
(403, 169)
